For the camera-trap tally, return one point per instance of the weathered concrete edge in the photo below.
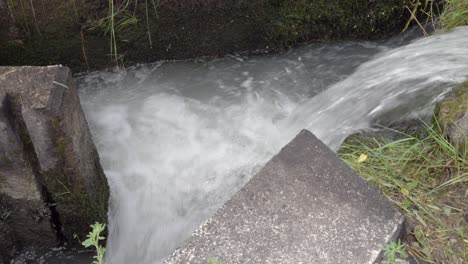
(397, 233)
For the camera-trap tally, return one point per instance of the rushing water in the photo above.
(177, 139)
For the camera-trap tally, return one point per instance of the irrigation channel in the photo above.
(177, 139)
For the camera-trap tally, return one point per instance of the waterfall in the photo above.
(178, 139)
(404, 82)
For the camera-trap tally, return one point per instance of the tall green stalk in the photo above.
(113, 40)
(25, 18)
(147, 24)
(33, 10)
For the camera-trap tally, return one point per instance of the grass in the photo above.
(113, 20)
(427, 178)
(424, 12)
(120, 16)
(394, 251)
(455, 14)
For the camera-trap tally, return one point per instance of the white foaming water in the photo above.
(396, 84)
(178, 139)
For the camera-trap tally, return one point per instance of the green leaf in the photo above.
(406, 204)
(93, 238)
(404, 191)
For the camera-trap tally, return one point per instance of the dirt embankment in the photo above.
(94, 33)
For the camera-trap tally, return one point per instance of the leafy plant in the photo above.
(93, 240)
(394, 251)
(212, 261)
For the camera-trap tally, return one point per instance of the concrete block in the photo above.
(53, 156)
(304, 206)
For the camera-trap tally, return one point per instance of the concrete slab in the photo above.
(304, 206)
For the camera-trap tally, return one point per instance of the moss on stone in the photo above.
(73, 200)
(59, 147)
(452, 117)
(321, 19)
(452, 106)
(78, 203)
(87, 209)
(54, 122)
(464, 84)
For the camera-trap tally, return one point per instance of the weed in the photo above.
(394, 251)
(83, 49)
(120, 17)
(25, 18)
(113, 40)
(34, 16)
(212, 261)
(113, 20)
(93, 240)
(455, 14)
(413, 16)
